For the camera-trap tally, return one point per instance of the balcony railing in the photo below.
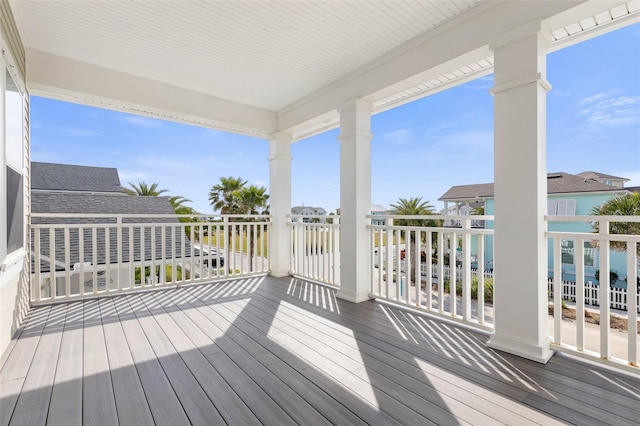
(599, 344)
(411, 265)
(316, 248)
(75, 256)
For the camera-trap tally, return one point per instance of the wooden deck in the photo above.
(283, 351)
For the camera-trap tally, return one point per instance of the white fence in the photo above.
(617, 298)
(316, 249)
(76, 256)
(603, 239)
(423, 254)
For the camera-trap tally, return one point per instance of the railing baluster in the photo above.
(466, 270)
(132, 263)
(605, 298)
(119, 250)
(579, 290)
(154, 255)
(557, 290)
(441, 272)
(52, 263)
(36, 287)
(81, 260)
(107, 258)
(418, 268)
(94, 247)
(632, 302)
(67, 266)
(453, 277)
(143, 255)
(480, 277)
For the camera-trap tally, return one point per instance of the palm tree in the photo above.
(627, 205)
(252, 200)
(414, 206)
(144, 190)
(224, 195)
(177, 202)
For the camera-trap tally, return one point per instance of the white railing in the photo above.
(316, 249)
(424, 281)
(77, 256)
(607, 347)
(617, 299)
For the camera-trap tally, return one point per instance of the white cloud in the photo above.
(399, 136)
(140, 121)
(610, 111)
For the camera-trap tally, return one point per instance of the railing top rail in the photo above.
(313, 216)
(474, 231)
(432, 216)
(144, 215)
(591, 218)
(593, 236)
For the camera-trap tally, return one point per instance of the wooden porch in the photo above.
(283, 351)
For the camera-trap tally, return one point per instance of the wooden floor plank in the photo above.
(284, 351)
(65, 408)
(177, 325)
(365, 318)
(193, 398)
(294, 405)
(458, 399)
(16, 364)
(309, 390)
(33, 404)
(437, 412)
(98, 401)
(163, 402)
(131, 401)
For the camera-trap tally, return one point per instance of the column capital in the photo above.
(280, 137)
(519, 33)
(356, 103)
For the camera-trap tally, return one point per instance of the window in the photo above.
(15, 165)
(561, 207)
(589, 254)
(567, 252)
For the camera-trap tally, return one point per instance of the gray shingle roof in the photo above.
(557, 183)
(51, 202)
(67, 177)
(598, 175)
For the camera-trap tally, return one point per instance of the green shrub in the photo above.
(168, 273)
(488, 288)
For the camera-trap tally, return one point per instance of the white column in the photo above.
(520, 110)
(355, 199)
(280, 203)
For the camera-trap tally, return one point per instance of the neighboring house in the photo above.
(62, 189)
(615, 181)
(310, 211)
(378, 210)
(567, 195)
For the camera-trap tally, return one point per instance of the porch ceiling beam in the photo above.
(70, 80)
(463, 39)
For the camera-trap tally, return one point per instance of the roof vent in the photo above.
(555, 176)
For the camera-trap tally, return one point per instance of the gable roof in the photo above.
(68, 177)
(598, 175)
(87, 203)
(557, 183)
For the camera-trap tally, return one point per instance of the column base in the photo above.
(280, 274)
(351, 296)
(535, 353)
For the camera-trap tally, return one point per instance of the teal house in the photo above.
(568, 195)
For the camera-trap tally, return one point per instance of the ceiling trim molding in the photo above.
(70, 80)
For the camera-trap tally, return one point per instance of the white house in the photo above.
(311, 212)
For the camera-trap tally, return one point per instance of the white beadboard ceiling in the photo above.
(256, 67)
(266, 54)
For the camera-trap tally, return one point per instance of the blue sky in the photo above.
(419, 149)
